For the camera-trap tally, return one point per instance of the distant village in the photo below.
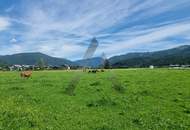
(176, 66)
(35, 67)
(18, 67)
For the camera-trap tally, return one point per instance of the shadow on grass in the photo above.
(103, 128)
(103, 101)
(96, 83)
(16, 88)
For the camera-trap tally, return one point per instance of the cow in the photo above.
(102, 70)
(93, 71)
(26, 74)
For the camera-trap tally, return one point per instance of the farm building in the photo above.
(20, 67)
(151, 67)
(179, 66)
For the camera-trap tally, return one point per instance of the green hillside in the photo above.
(179, 55)
(33, 58)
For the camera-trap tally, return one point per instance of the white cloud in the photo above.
(60, 49)
(4, 23)
(88, 18)
(57, 27)
(13, 40)
(11, 49)
(9, 9)
(156, 35)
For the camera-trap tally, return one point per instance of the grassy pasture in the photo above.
(132, 99)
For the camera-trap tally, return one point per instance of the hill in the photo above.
(178, 55)
(33, 58)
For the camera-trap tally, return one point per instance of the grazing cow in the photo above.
(93, 71)
(102, 70)
(26, 74)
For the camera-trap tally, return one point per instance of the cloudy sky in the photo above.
(64, 28)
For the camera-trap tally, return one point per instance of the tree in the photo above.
(41, 63)
(106, 64)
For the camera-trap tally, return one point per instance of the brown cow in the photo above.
(26, 74)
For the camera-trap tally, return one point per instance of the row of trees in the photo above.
(141, 62)
(41, 64)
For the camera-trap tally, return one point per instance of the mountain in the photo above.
(2, 63)
(93, 62)
(33, 58)
(178, 55)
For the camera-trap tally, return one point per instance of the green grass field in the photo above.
(139, 99)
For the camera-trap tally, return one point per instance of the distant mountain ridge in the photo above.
(178, 55)
(33, 58)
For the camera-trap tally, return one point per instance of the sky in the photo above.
(64, 28)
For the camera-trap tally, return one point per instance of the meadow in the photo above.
(127, 99)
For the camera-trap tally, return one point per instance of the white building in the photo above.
(151, 67)
(15, 68)
(20, 67)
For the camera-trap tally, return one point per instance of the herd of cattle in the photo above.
(28, 74)
(95, 71)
